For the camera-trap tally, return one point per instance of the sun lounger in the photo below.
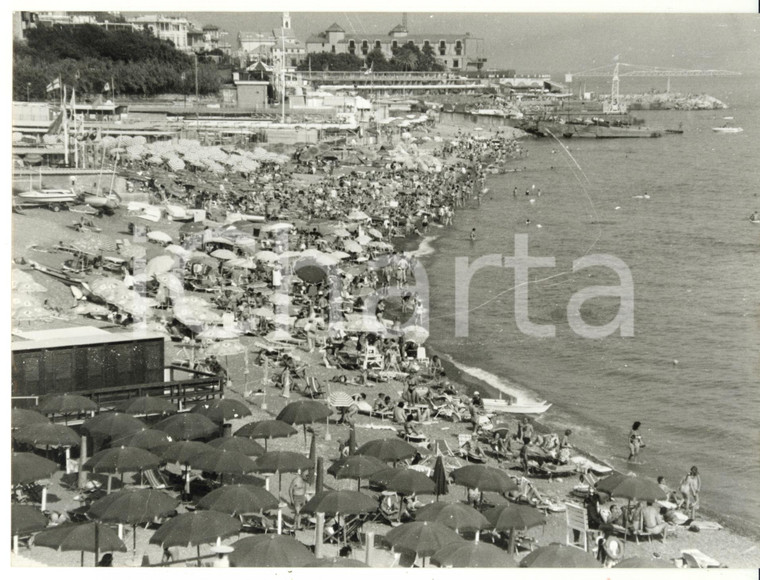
(696, 559)
(155, 479)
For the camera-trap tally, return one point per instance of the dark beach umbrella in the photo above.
(238, 499)
(222, 410)
(147, 406)
(457, 516)
(421, 538)
(144, 439)
(513, 517)
(559, 556)
(340, 502)
(270, 551)
(28, 467)
(47, 435)
(133, 507)
(483, 478)
(122, 460)
(269, 429)
(181, 452)
(472, 555)
(440, 479)
(304, 413)
(65, 404)
(221, 461)
(404, 481)
(337, 563)
(310, 272)
(281, 462)
(195, 528)
(187, 426)
(85, 537)
(238, 444)
(388, 449)
(644, 563)
(112, 425)
(631, 487)
(356, 467)
(23, 417)
(26, 519)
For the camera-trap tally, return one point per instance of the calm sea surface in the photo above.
(695, 259)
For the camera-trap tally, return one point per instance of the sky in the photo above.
(550, 43)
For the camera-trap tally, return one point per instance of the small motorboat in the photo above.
(110, 201)
(727, 129)
(55, 198)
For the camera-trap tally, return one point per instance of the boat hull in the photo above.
(46, 196)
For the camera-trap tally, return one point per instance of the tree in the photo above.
(407, 57)
(323, 61)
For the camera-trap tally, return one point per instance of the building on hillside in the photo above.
(208, 38)
(268, 47)
(455, 51)
(172, 28)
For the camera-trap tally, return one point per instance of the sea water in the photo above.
(690, 372)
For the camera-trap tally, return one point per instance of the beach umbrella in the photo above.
(416, 334)
(85, 537)
(388, 449)
(310, 273)
(146, 406)
(222, 410)
(224, 254)
(360, 323)
(181, 451)
(160, 237)
(280, 462)
(483, 478)
(457, 516)
(223, 462)
(25, 301)
(112, 425)
(375, 233)
(644, 563)
(159, 265)
(121, 460)
(304, 413)
(171, 282)
(245, 263)
(266, 256)
(268, 429)
(404, 481)
(133, 507)
(631, 487)
(439, 477)
(219, 333)
(195, 528)
(187, 426)
(28, 467)
(24, 417)
(144, 439)
(339, 400)
(270, 551)
(65, 404)
(559, 556)
(340, 502)
(352, 247)
(238, 444)
(472, 555)
(28, 288)
(33, 314)
(513, 517)
(238, 499)
(26, 519)
(132, 251)
(337, 562)
(47, 435)
(341, 233)
(356, 215)
(421, 538)
(196, 316)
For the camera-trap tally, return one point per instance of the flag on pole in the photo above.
(106, 88)
(54, 86)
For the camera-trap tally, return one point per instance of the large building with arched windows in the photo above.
(455, 51)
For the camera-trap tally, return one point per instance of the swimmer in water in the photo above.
(527, 222)
(472, 235)
(754, 217)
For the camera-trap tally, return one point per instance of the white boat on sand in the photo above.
(727, 129)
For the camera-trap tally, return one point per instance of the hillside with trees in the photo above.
(89, 57)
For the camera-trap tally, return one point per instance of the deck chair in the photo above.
(372, 359)
(577, 526)
(155, 479)
(463, 439)
(422, 357)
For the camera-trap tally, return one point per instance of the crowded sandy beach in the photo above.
(337, 435)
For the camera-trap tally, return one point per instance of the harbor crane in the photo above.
(619, 69)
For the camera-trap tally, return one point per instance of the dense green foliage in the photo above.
(88, 57)
(408, 57)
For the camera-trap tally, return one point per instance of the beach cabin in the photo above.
(107, 366)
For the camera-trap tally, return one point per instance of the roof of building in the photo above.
(74, 336)
(433, 38)
(398, 28)
(335, 27)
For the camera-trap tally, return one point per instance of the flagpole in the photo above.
(65, 126)
(76, 129)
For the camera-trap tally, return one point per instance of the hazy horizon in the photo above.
(550, 43)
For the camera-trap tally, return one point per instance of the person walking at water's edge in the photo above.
(635, 442)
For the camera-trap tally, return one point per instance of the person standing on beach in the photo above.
(635, 442)
(691, 485)
(472, 235)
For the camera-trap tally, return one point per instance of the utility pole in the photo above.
(282, 76)
(196, 77)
